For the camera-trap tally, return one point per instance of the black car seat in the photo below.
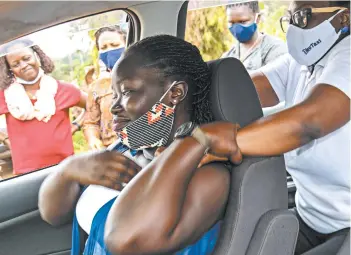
(257, 219)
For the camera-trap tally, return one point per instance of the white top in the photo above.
(321, 168)
(94, 197)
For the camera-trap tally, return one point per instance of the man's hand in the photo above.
(223, 143)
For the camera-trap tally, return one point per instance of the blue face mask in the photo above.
(111, 57)
(243, 33)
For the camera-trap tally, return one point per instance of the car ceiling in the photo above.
(19, 18)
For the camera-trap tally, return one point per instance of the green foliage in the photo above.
(71, 67)
(207, 29)
(79, 143)
(272, 12)
(94, 53)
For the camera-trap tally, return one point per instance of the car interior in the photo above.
(257, 218)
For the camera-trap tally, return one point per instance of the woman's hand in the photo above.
(107, 168)
(96, 144)
(223, 143)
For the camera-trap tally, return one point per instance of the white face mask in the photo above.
(307, 46)
(24, 82)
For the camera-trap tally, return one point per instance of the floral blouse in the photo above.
(98, 118)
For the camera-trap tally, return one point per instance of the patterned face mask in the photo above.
(150, 130)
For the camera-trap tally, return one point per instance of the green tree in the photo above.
(207, 30)
(272, 12)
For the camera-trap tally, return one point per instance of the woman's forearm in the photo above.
(58, 196)
(150, 207)
(80, 119)
(91, 132)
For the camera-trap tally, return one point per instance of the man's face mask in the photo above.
(307, 46)
(111, 57)
(150, 130)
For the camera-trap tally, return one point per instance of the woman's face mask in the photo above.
(307, 46)
(150, 130)
(110, 57)
(242, 25)
(243, 33)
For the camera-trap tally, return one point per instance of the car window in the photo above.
(41, 122)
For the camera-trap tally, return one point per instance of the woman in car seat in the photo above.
(314, 132)
(160, 84)
(36, 107)
(97, 128)
(253, 48)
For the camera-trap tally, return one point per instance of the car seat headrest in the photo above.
(233, 95)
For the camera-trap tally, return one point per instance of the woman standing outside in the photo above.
(110, 41)
(36, 107)
(253, 48)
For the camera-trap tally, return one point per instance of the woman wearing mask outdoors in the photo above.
(97, 128)
(36, 107)
(174, 207)
(253, 48)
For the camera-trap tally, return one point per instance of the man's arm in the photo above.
(271, 81)
(264, 89)
(325, 110)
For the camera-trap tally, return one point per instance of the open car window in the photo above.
(72, 49)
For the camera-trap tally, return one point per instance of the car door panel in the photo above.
(22, 231)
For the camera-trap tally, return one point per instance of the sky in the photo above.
(56, 43)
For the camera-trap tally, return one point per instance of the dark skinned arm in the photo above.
(264, 89)
(58, 196)
(83, 100)
(170, 204)
(325, 110)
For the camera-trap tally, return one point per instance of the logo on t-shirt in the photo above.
(309, 48)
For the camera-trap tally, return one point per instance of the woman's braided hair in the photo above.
(6, 75)
(177, 60)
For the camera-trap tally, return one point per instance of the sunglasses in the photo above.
(301, 17)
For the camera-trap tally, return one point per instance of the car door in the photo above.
(22, 231)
